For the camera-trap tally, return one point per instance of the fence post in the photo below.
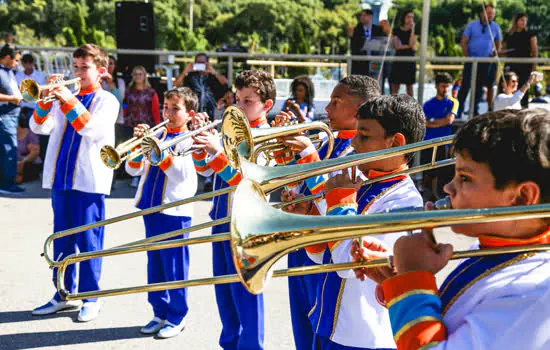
(230, 70)
(348, 66)
(473, 87)
(423, 49)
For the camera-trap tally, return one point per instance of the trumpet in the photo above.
(239, 139)
(153, 148)
(31, 91)
(113, 157)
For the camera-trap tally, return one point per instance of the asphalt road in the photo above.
(25, 282)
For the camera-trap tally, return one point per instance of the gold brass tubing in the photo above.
(290, 272)
(135, 214)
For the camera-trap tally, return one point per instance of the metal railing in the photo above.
(254, 57)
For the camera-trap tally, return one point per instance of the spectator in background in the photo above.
(404, 42)
(510, 96)
(456, 87)
(521, 42)
(440, 112)
(477, 41)
(29, 162)
(27, 108)
(539, 94)
(10, 98)
(9, 39)
(364, 32)
(300, 103)
(141, 105)
(209, 85)
(29, 72)
(110, 81)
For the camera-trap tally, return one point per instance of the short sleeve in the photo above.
(468, 30)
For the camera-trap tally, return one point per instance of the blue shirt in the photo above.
(479, 38)
(439, 109)
(8, 86)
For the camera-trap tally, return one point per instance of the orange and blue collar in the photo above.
(176, 130)
(89, 89)
(258, 122)
(486, 241)
(346, 134)
(373, 174)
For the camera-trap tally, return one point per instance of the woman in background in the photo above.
(301, 98)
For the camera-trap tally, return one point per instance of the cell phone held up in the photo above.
(537, 76)
(199, 67)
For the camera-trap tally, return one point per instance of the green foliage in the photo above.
(281, 26)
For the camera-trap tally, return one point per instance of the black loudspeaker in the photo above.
(135, 29)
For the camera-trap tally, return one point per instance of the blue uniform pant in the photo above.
(301, 292)
(71, 209)
(8, 151)
(167, 265)
(324, 343)
(241, 313)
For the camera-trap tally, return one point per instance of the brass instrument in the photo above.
(153, 147)
(113, 157)
(270, 180)
(261, 235)
(239, 139)
(31, 91)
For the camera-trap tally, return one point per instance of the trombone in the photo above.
(261, 235)
(31, 91)
(114, 157)
(238, 121)
(153, 147)
(268, 179)
(239, 139)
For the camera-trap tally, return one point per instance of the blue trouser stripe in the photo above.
(71, 209)
(66, 159)
(167, 265)
(241, 313)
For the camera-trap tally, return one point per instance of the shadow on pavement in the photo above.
(55, 338)
(25, 316)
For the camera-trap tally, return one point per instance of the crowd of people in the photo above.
(502, 159)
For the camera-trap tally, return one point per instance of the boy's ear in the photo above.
(268, 104)
(528, 193)
(102, 70)
(398, 140)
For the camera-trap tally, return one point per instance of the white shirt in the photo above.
(508, 101)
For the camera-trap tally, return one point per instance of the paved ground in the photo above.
(25, 282)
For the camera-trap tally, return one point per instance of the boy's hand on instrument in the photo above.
(297, 208)
(208, 141)
(198, 119)
(341, 181)
(297, 144)
(417, 252)
(282, 119)
(140, 129)
(372, 249)
(62, 93)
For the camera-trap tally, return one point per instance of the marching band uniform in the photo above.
(302, 289)
(173, 179)
(78, 179)
(241, 312)
(346, 314)
(492, 302)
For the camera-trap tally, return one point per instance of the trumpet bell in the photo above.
(30, 90)
(110, 156)
(151, 148)
(236, 136)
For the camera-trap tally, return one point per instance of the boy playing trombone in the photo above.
(492, 302)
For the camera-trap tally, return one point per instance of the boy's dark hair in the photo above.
(306, 82)
(190, 99)
(262, 82)
(514, 144)
(8, 50)
(202, 54)
(95, 52)
(396, 114)
(27, 58)
(361, 86)
(443, 78)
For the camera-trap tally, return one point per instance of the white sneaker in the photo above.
(170, 330)
(53, 306)
(89, 311)
(153, 327)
